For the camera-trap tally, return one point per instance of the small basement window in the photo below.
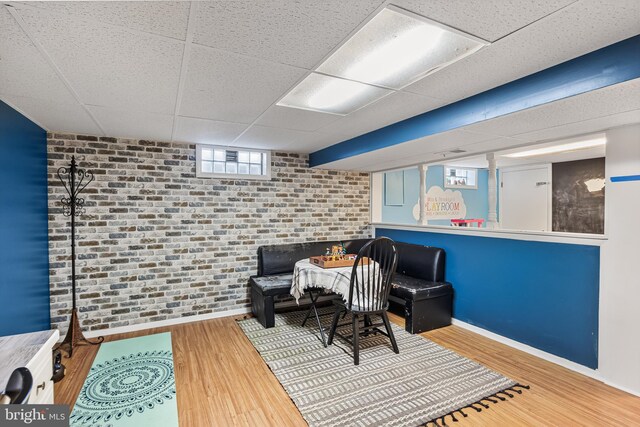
(460, 177)
(232, 162)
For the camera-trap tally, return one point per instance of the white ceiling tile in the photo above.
(489, 20)
(102, 50)
(390, 109)
(23, 70)
(580, 28)
(274, 138)
(203, 131)
(583, 127)
(578, 115)
(122, 123)
(229, 87)
(164, 18)
(602, 102)
(295, 118)
(56, 115)
(298, 33)
(312, 142)
(415, 149)
(431, 157)
(110, 66)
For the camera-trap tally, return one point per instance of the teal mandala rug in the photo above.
(131, 383)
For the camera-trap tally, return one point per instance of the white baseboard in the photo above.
(592, 373)
(168, 322)
(576, 367)
(623, 388)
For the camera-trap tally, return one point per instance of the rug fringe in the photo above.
(478, 405)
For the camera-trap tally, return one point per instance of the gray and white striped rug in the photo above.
(422, 383)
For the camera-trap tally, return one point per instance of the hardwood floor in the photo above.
(222, 381)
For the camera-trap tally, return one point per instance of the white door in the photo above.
(525, 198)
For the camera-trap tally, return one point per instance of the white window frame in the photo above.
(201, 174)
(469, 187)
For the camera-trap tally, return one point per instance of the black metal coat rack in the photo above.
(74, 181)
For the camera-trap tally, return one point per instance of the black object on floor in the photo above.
(58, 368)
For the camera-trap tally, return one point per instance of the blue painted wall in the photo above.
(476, 200)
(541, 294)
(24, 257)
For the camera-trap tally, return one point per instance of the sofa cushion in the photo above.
(422, 262)
(277, 284)
(279, 259)
(410, 288)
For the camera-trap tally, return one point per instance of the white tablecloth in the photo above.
(307, 275)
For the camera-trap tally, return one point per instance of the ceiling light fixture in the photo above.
(327, 94)
(562, 148)
(394, 49)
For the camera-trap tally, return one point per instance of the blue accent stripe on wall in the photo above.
(24, 247)
(625, 178)
(610, 65)
(541, 294)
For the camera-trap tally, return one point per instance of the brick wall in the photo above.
(158, 243)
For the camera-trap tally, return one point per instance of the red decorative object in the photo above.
(467, 222)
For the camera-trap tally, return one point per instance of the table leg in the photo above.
(315, 311)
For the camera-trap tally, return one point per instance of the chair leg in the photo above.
(356, 340)
(387, 325)
(334, 325)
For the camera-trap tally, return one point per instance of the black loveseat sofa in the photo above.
(418, 288)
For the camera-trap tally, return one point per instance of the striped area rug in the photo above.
(422, 384)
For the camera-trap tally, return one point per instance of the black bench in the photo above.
(418, 289)
(275, 272)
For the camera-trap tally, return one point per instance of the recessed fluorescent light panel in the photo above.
(562, 148)
(396, 48)
(328, 94)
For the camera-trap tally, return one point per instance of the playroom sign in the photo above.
(442, 204)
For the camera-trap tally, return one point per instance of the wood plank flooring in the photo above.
(222, 381)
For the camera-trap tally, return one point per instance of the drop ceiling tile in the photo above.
(23, 70)
(390, 109)
(55, 115)
(577, 115)
(311, 142)
(580, 28)
(121, 123)
(416, 149)
(489, 20)
(110, 66)
(431, 157)
(297, 33)
(203, 131)
(295, 118)
(274, 139)
(583, 127)
(164, 18)
(602, 102)
(229, 87)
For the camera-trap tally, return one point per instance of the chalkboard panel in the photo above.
(578, 196)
